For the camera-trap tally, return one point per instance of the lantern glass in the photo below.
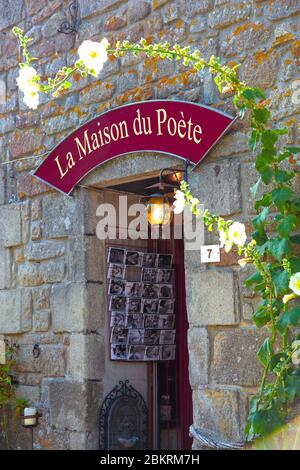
(159, 210)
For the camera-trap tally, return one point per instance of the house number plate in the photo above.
(210, 254)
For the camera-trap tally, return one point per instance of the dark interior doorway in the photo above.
(169, 391)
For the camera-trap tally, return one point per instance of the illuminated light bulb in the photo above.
(159, 210)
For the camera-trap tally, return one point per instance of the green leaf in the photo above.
(253, 93)
(253, 279)
(291, 317)
(265, 157)
(263, 248)
(261, 115)
(264, 353)
(294, 150)
(295, 239)
(267, 174)
(265, 201)
(254, 139)
(295, 265)
(261, 218)
(255, 187)
(281, 281)
(292, 389)
(279, 247)
(260, 237)
(269, 138)
(287, 225)
(261, 316)
(280, 196)
(265, 421)
(275, 359)
(282, 176)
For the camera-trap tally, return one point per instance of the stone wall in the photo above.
(51, 289)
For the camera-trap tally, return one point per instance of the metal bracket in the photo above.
(71, 27)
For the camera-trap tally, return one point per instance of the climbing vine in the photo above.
(274, 241)
(8, 399)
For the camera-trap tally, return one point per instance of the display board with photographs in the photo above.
(141, 307)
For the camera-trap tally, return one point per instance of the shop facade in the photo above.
(53, 278)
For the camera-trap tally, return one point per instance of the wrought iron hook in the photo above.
(71, 27)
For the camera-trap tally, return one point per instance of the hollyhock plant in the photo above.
(270, 252)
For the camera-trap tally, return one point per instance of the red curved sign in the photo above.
(185, 130)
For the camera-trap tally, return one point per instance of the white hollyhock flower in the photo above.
(179, 202)
(224, 242)
(179, 194)
(31, 99)
(27, 83)
(94, 55)
(294, 284)
(237, 234)
(25, 80)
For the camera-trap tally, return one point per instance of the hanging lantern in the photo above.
(159, 210)
(159, 204)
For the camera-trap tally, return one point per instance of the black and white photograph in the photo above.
(115, 271)
(164, 261)
(136, 336)
(166, 291)
(149, 260)
(151, 321)
(134, 305)
(116, 255)
(135, 320)
(152, 353)
(117, 303)
(166, 322)
(116, 287)
(136, 353)
(149, 306)
(151, 337)
(167, 336)
(133, 258)
(149, 275)
(167, 353)
(165, 307)
(150, 291)
(118, 319)
(119, 335)
(133, 289)
(164, 276)
(119, 351)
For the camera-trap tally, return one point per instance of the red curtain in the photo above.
(184, 391)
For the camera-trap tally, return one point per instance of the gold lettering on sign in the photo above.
(88, 142)
(141, 125)
(184, 129)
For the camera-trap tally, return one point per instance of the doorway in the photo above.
(164, 384)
